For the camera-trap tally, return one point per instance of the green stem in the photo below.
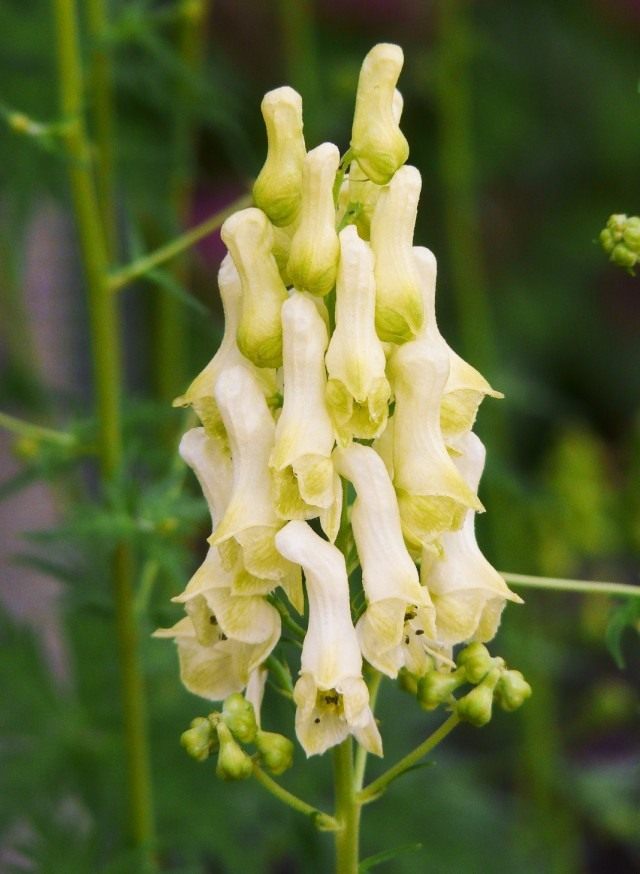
(140, 266)
(375, 788)
(101, 89)
(36, 432)
(361, 752)
(321, 820)
(347, 810)
(105, 347)
(562, 585)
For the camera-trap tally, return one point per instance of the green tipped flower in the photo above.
(277, 189)
(200, 740)
(313, 260)
(476, 706)
(233, 763)
(399, 306)
(512, 690)
(476, 661)
(435, 688)
(378, 144)
(276, 751)
(238, 716)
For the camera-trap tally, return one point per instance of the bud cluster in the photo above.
(332, 371)
(620, 239)
(226, 732)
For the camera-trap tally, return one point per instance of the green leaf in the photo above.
(627, 615)
(386, 856)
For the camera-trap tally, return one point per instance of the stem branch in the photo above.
(561, 585)
(322, 820)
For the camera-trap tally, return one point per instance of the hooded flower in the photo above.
(313, 257)
(399, 305)
(277, 189)
(332, 698)
(432, 495)
(378, 144)
(250, 520)
(465, 388)
(389, 576)
(199, 395)
(468, 594)
(357, 390)
(249, 238)
(305, 482)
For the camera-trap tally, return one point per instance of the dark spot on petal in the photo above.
(317, 720)
(419, 632)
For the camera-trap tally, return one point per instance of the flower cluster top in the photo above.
(333, 380)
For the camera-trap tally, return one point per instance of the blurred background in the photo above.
(524, 120)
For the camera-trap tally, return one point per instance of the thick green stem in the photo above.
(375, 788)
(174, 247)
(560, 585)
(321, 820)
(347, 810)
(105, 347)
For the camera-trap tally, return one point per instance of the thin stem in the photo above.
(101, 89)
(140, 266)
(361, 752)
(105, 348)
(374, 789)
(347, 809)
(35, 432)
(562, 585)
(322, 820)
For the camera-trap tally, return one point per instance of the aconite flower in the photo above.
(249, 237)
(357, 390)
(432, 494)
(468, 594)
(305, 482)
(313, 256)
(277, 189)
(465, 388)
(378, 144)
(389, 576)
(199, 395)
(250, 521)
(332, 699)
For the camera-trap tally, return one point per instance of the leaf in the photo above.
(386, 856)
(627, 615)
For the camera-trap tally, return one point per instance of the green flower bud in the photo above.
(199, 740)
(623, 257)
(512, 690)
(607, 240)
(238, 715)
(277, 190)
(616, 224)
(233, 763)
(631, 235)
(475, 707)
(276, 751)
(313, 261)
(407, 681)
(378, 144)
(476, 660)
(436, 688)
(249, 238)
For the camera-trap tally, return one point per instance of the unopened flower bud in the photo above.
(631, 235)
(199, 740)
(476, 661)
(616, 224)
(407, 681)
(238, 715)
(607, 240)
(623, 257)
(249, 237)
(435, 688)
(277, 188)
(276, 751)
(512, 690)
(378, 144)
(313, 261)
(476, 706)
(399, 306)
(233, 763)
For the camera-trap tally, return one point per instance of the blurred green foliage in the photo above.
(552, 148)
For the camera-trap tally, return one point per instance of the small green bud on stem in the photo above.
(233, 762)
(239, 717)
(476, 661)
(200, 740)
(476, 706)
(276, 751)
(436, 688)
(512, 690)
